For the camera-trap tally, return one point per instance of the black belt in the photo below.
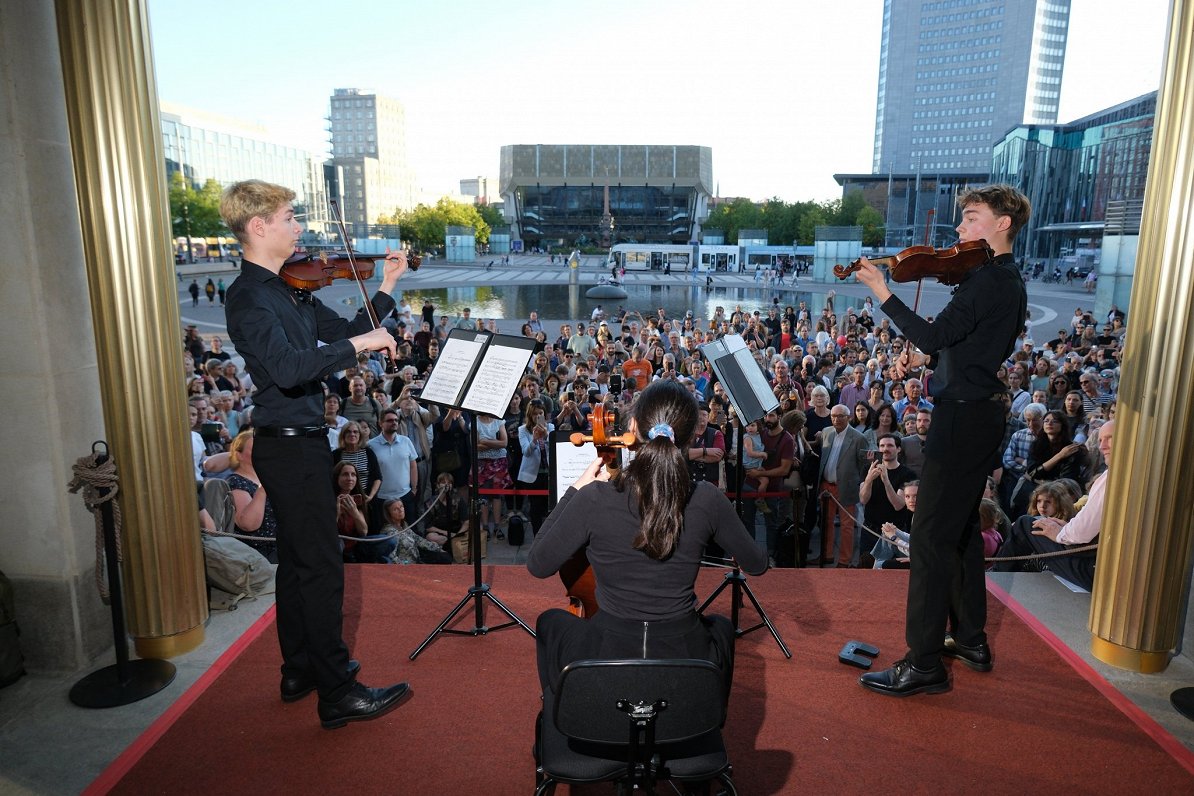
(291, 431)
(995, 396)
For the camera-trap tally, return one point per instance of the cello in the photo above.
(576, 573)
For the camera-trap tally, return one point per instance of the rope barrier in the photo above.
(1069, 551)
(91, 475)
(377, 537)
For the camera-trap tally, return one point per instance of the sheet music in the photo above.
(497, 378)
(451, 370)
(569, 462)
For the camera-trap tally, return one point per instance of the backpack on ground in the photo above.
(515, 530)
(234, 570)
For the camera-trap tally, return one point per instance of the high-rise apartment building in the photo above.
(369, 154)
(955, 75)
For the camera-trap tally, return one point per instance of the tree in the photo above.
(871, 221)
(490, 215)
(196, 212)
(425, 227)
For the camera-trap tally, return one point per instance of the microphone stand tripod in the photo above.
(479, 591)
(734, 578)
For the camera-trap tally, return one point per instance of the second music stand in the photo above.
(754, 401)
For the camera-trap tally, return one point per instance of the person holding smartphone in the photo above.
(535, 441)
(880, 490)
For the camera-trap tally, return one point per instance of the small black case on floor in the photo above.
(515, 530)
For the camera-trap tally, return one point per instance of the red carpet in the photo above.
(1035, 724)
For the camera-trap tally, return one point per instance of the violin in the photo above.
(577, 574)
(311, 271)
(948, 266)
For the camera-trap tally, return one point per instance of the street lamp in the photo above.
(186, 226)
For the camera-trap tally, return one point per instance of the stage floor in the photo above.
(51, 747)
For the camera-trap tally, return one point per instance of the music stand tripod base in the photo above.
(735, 579)
(478, 592)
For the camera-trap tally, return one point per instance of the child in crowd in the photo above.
(752, 457)
(988, 519)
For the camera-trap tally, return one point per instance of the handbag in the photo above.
(1018, 493)
(460, 546)
(447, 461)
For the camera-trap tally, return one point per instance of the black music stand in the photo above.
(752, 398)
(473, 373)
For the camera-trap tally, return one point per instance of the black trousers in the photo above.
(296, 474)
(561, 638)
(946, 582)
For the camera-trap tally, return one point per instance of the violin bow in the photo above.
(391, 367)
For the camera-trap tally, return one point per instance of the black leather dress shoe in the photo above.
(295, 688)
(362, 703)
(904, 679)
(977, 657)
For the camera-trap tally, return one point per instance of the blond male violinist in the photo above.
(289, 340)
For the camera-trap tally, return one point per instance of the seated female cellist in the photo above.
(645, 530)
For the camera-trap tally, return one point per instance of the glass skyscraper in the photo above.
(955, 75)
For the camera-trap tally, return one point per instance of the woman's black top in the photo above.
(631, 585)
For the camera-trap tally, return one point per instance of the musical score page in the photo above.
(452, 367)
(497, 378)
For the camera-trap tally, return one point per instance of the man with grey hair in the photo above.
(1015, 455)
(913, 399)
(360, 406)
(843, 465)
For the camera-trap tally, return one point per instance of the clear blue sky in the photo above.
(782, 90)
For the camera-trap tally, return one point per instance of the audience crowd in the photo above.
(841, 451)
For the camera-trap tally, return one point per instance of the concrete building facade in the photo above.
(369, 155)
(553, 194)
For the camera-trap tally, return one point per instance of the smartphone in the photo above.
(209, 432)
(615, 382)
(871, 455)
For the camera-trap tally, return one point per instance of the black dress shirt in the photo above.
(278, 333)
(973, 335)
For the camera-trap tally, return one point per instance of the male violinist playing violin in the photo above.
(964, 345)
(289, 340)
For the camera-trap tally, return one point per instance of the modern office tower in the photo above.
(370, 156)
(955, 75)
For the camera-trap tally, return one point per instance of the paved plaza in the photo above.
(1050, 305)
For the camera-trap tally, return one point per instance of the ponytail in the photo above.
(659, 475)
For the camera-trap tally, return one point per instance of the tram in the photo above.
(673, 257)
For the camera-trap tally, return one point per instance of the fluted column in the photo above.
(1145, 545)
(116, 143)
